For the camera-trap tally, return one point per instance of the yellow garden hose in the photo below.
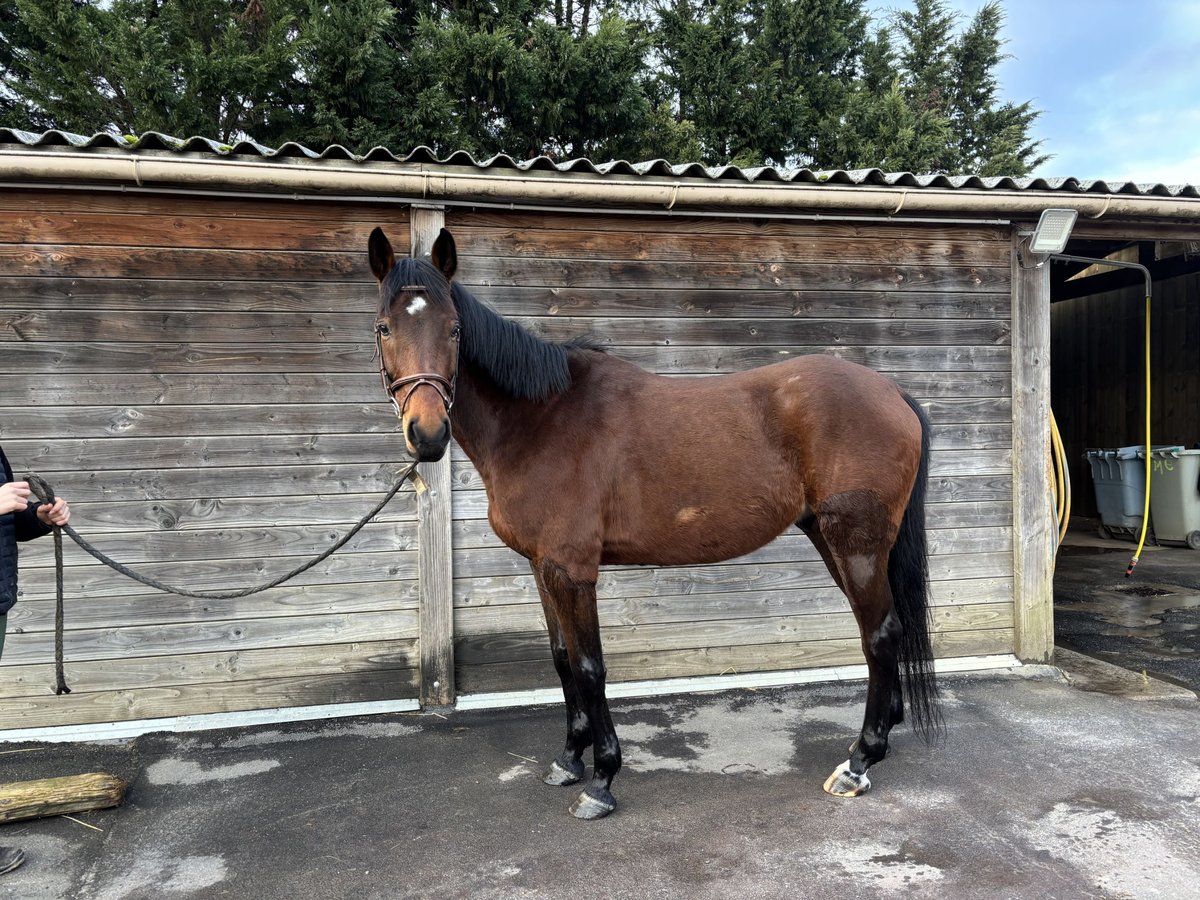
(1063, 507)
(1146, 507)
(1061, 481)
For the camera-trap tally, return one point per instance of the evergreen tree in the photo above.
(748, 82)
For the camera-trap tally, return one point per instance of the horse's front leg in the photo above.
(574, 604)
(569, 767)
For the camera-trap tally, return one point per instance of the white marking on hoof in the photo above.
(558, 776)
(416, 306)
(844, 783)
(588, 807)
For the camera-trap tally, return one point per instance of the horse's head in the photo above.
(416, 335)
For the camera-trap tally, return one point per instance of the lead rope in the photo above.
(45, 493)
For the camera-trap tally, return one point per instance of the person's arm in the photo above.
(28, 524)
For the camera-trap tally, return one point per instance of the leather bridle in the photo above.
(444, 386)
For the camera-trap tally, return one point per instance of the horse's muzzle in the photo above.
(427, 446)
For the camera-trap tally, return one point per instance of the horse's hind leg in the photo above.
(574, 605)
(854, 534)
(569, 767)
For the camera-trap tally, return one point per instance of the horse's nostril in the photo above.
(410, 431)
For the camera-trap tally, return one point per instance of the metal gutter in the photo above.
(433, 183)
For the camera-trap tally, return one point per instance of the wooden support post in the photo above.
(1034, 526)
(59, 796)
(435, 552)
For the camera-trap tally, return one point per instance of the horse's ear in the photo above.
(445, 254)
(380, 251)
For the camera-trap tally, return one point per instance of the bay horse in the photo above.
(590, 460)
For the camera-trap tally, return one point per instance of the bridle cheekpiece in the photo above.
(444, 386)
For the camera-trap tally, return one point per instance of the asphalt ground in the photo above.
(1040, 789)
(1148, 622)
(1074, 782)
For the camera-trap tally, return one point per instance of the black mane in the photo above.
(521, 364)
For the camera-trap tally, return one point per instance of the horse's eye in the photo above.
(382, 328)
(456, 331)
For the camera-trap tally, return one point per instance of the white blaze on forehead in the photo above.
(417, 305)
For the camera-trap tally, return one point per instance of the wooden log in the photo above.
(58, 796)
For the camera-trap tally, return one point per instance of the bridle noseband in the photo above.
(444, 386)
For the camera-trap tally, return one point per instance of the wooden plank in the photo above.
(884, 358)
(721, 661)
(87, 357)
(147, 607)
(233, 419)
(717, 302)
(487, 648)
(437, 563)
(178, 515)
(651, 581)
(168, 702)
(113, 229)
(683, 610)
(31, 325)
(45, 260)
(477, 534)
(283, 208)
(352, 488)
(1033, 511)
(225, 575)
(268, 388)
(473, 533)
(469, 220)
(477, 272)
(155, 296)
(574, 245)
(37, 679)
(624, 332)
(959, 470)
(824, 597)
(791, 546)
(196, 451)
(136, 326)
(211, 388)
(175, 639)
(294, 544)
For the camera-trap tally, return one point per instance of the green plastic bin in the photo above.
(1175, 495)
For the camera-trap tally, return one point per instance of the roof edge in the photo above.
(431, 182)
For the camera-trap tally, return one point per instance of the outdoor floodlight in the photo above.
(1053, 231)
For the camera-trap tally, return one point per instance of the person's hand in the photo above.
(57, 514)
(14, 496)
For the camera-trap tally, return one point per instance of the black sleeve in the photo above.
(27, 525)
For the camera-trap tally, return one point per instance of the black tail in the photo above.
(908, 574)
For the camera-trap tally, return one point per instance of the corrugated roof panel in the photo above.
(155, 142)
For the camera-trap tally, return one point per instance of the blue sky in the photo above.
(1118, 83)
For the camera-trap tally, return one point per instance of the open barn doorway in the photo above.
(1148, 622)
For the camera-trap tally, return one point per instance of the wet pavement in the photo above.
(1040, 789)
(1149, 622)
(1074, 782)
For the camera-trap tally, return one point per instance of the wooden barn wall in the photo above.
(928, 306)
(196, 377)
(1098, 388)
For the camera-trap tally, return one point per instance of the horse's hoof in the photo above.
(560, 775)
(844, 783)
(594, 803)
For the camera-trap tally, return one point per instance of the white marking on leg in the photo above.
(416, 306)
